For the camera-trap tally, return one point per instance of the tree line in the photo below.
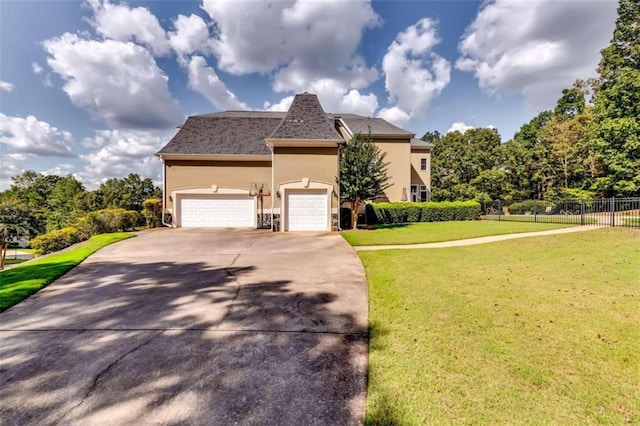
(587, 146)
(46, 203)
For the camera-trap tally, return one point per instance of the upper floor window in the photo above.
(423, 164)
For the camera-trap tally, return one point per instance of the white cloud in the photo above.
(414, 74)
(282, 105)
(59, 170)
(118, 82)
(302, 41)
(29, 135)
(395, 116)
(203, 79)
(37, 69)
(12, 165)
(459, 126)
(358, 103)
(191, 35)
(123, 23)
(535, 48)
(7, 87)
(121, 153)
(334, 96)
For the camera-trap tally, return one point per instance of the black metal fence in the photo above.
(596, 212)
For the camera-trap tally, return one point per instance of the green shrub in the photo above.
(111, 220)
(386, 213)
(152, 212)
(531, 206)
(57, 240)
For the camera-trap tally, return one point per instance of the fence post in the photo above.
(613, 211)
(582, 221)
(499, 209)
(535, 211)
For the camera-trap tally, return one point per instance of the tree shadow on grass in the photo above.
(177, 343)
(381, 409)
(392, 226)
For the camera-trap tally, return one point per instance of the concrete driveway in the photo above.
(193, 326)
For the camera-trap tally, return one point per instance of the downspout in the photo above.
(338, 186)
(273, 188)
(164, 194)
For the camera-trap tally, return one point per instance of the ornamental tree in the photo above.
(363, 173)
(13, 225)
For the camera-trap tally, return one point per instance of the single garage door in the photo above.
(217, 211)
(307, 210)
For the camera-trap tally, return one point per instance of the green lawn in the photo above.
(433, 232)
(533, 331)
(22, 281)
(12, 261)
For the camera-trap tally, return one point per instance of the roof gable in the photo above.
(305, 120)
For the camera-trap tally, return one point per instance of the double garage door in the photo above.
(217, 211)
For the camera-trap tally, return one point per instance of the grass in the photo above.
(22, 281)
(631, 221)
(433, 232)
(534, 331)
(12, 261)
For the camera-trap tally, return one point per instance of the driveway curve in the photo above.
(193, 326)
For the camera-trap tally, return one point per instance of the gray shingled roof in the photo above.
(364, 125)
(244, 132)
(419, 143)
(306, 120)
(226, 133)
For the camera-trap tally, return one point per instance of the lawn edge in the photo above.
(49, 280)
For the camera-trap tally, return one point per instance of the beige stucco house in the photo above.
(278, 170)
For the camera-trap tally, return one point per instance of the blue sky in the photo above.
(95, 88)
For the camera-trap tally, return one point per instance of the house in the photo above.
(278, 170)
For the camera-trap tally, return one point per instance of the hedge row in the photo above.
(98, 222)
(531, 206)
(385, 213)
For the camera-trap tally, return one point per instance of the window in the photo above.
(423, 164)
(414, 193)
(424, 193)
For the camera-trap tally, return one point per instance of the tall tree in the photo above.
(568, 141)
(64, 203)
(459, 159)
(571, 103)
(617, 106)
(128, 192)
(33, 189)
(363, 173)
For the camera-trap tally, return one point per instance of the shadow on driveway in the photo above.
(180, 342)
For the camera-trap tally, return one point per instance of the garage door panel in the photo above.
(217, 211)
(307, 211)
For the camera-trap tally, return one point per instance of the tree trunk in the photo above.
(3, 255)
(355, 208)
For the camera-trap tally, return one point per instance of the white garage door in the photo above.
(217, 211)
(307, 211)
